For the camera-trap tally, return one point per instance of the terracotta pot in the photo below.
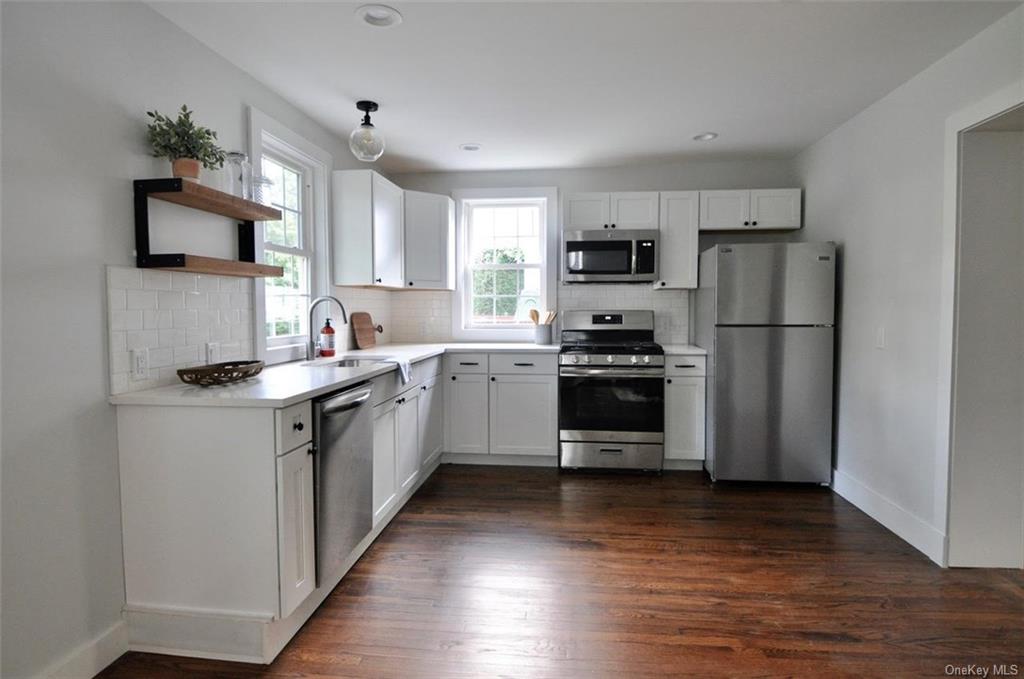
(186, 168)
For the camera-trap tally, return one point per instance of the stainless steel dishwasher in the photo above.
(343, 474)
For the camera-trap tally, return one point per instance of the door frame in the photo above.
(962, 121)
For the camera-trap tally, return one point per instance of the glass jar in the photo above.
(238, 171)
(261, 186)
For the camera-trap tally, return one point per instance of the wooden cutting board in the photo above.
(363, 329)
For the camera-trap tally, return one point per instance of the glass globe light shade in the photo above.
(366, 143)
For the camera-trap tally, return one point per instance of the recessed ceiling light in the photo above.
(470, 147)
(705, 136)
(379, 16)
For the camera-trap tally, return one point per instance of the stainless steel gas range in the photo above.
(611, 391)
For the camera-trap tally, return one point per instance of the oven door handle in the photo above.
(653, 373)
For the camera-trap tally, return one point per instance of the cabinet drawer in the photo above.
(525, 364)
(682, 366)
(465, 363)
(294, 426)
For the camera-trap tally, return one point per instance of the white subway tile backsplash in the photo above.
(174, 315)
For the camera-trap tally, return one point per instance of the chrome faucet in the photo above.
(311, 345)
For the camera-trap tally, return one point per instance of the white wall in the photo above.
(875, 185)
(77, 80)
(986, 494)
(424, 314)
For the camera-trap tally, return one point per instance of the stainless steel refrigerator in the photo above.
(765, 313)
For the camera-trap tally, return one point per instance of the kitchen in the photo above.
(690, 445)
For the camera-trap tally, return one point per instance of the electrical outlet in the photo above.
(140, 364)
(880, 337)
(212, 353)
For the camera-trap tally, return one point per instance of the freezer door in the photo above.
(773, 404)
(776, 284)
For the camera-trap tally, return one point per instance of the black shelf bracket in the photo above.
(144, 259)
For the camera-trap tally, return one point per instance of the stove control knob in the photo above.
(575, 359)
(647, 359)
(586, 359)
(634, 359)
(610, 358)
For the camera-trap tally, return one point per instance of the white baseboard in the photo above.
(918, 533)
(502, 460)
(92, 657)
(684, 465)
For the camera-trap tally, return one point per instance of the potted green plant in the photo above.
(187, 145)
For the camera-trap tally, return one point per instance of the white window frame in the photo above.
(461, 315)
(268, 136)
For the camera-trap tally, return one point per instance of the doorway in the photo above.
(986, 481)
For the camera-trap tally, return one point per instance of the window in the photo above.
(297, 242)
(505, 248)
(287, 243)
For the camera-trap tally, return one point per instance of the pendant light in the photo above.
(366, 142)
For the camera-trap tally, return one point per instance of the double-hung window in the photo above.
(297, 242)
(506, 262)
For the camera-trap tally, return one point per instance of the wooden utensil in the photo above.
(364, 330)
(550, 318)
(535, 316)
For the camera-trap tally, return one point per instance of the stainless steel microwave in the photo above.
(627, 256)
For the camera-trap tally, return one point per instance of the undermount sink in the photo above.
(348, 363)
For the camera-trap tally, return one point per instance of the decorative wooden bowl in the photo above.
(220, 373)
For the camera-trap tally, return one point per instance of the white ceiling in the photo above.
(544, 85)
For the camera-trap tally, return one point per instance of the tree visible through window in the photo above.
(505, 241)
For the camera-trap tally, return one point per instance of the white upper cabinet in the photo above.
(724, 210)
(587, 211)
(619, 210)
(368, 230)
(775, 208)
(678, 230)
(744, 210)
(634, 210)
(429, 241)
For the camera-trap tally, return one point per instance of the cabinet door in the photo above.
(678, 226)
(684, 418)
(431, 420)
(724, 210)
(634, 210)
(465, 397)
(295, 537)
(407, 455)
(775, 208)
(387, 233)
(384, 450)
(429, 241)
(524, 411)
(586, 211)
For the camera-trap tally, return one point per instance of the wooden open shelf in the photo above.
(206, 199)
(199, 197)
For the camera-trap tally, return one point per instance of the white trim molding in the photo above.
(267, 133)
(912, 529)
(92, 657)
(549, 265)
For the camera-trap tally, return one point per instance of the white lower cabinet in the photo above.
(385, 444)
(465, 397)
(431, 421)
(296, 540)
(523, 414)
(684, 418)
(396, 453)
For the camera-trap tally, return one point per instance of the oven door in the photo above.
(589, 261)
(624, 405)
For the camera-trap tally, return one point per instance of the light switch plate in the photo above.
(140, 364)
(212, 353)
(880, 337)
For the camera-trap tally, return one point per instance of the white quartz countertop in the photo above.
(284, 385)
(683, 350)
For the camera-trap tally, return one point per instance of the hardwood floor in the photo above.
(516, 572)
